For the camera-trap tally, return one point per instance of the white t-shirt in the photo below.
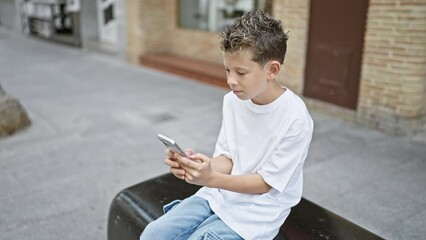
(271, 140)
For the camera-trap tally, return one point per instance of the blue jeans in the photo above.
(190, 219)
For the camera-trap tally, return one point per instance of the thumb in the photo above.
(189, 151)
(201, 157)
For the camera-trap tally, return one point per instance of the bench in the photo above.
(133, 208)
(204, 71)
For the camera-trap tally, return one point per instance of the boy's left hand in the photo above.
(198, 169)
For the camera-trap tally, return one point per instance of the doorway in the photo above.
(334, 55)
(107, 22)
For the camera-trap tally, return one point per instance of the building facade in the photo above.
(97, 25)
(364, 61)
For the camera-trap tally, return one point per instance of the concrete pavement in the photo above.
(95, 120)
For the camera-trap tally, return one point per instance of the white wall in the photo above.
(8, 16)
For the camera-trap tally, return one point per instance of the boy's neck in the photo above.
(271, 95)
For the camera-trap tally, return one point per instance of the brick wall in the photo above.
(393, 89)
(198, 44)
(134, 33)
(153, 27)
(149, 24)
(294, 14)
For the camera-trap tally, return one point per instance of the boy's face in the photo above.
(246, 78)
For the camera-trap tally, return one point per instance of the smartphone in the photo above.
(172, 145)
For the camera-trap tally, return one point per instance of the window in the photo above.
(108, 14)
(215, 15)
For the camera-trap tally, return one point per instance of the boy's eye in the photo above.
(241, 73)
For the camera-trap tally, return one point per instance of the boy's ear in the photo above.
(274, 68)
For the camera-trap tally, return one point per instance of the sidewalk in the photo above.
(95, 121)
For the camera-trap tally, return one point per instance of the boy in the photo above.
(255, 176)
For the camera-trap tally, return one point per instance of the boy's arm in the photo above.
(249, 184)
(206, 172)
(222, 164)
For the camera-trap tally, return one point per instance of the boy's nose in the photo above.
(231, 81)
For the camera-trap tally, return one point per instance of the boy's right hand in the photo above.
(174, 165)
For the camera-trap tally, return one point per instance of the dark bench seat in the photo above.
(133, 208)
